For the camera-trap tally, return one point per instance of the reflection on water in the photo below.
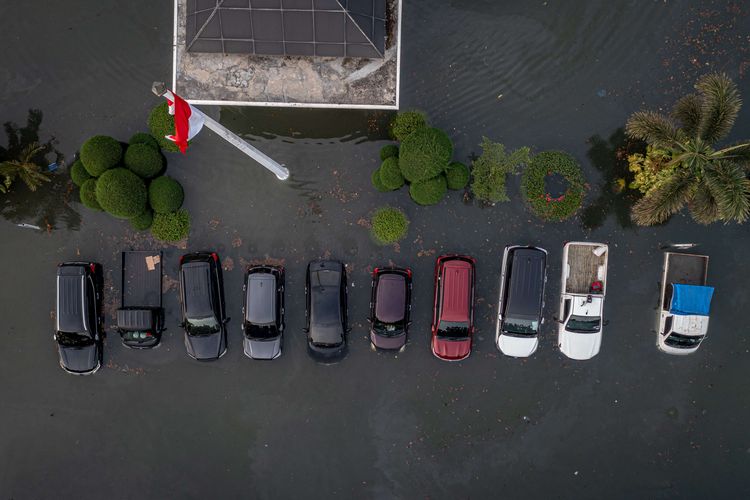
(611, 158)
(48, 207)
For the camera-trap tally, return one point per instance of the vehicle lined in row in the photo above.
(682, 322)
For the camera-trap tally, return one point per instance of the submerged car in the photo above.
(326, 315)
(263, 312)
(202, 301)
(390, 307)
(77, 317)
(453, 313)
(521, 302)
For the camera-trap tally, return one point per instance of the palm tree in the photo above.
(24, 168)
(712, 182)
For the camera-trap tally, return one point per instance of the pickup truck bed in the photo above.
(141, 286)
(684, 268)
(584, 268)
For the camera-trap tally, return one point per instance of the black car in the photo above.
(202, 297)
(263, 312)
(390, 307)
(78, 327)
(325, 290)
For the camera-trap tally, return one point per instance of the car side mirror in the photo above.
(606, 322)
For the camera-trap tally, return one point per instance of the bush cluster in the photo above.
(143, 160)
(144, 138)
(388, 151)
(389, 225)
(457, 175)
(78, 173)
(165, 195)
(406, 122)
(100, 153)
(121, 193)
(532, 184)
(172, 226)
(161, 124)
(390, 174)
(492, 168)
(143, 221)
(425, 154)
(88, 194)
(430, 191)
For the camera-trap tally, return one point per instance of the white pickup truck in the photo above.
(685, 303)
(584, 285)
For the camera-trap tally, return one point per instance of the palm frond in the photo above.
(703, 206)
(664, 201)
(721, 104)
(30, 173)
(688, 111)
(736, 153)
(654, 128)
(728, 183)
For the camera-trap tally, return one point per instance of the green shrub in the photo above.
(161, 124)
(377, 182)
(430, 191)
(388, 151)
(88, 194)
(532, 184)
(100, 153)
(389, 225)
(165, 194)
(173, 226)
(143, 160)
(390, 174)
(425, 154)
(121, 193)
(143, 221)
(144, 138)
(406, 122)
(457, 175)
(491, 170)
(78, 173)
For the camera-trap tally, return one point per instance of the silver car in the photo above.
(263, 312)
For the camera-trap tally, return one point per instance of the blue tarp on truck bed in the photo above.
(691, 299)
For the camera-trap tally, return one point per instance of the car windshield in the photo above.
(677, 340)
(73, 339)
(521, 327)
(453, 330)
(201, 326)
(253, 331)
(584, 324)
(388, 329)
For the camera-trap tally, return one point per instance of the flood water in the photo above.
(631, 423)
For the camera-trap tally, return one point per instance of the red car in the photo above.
(453, 315)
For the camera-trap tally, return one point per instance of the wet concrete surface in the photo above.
(631, 423)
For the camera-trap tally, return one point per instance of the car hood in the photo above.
(205, 346)
(580, 345)
(391, 342)
(517, 347)
(79, 359)
(451, 350)
(262, 349)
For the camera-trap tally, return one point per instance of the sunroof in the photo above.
(328, 28)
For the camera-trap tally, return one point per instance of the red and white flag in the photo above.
(188, 120)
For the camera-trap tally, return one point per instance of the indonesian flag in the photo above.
(188, 120)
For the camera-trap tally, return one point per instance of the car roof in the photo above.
(456, 290)
(325, 306)
(526, 284)
(390, 297)
(197, 289)
(71, 301)
(260, 301)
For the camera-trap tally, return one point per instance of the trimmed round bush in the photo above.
(88, 195)
(425, 154)
(121, 193)
(388, 225)
(165, 195)
(549, 163)
(430, 191)
(100, 153)
(78, 173)
(143, 160)
(406, 122)
(173, 226)
(161, 123)
(377, 182)
(457, 175)
(388, 151)
(390, 174)
(144, 138)
(143, 221)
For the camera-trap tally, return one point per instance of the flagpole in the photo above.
(281, 172)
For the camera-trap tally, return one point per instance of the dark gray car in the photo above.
(202, 298)
(326, 314)
(77, 321)
(263, 312)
